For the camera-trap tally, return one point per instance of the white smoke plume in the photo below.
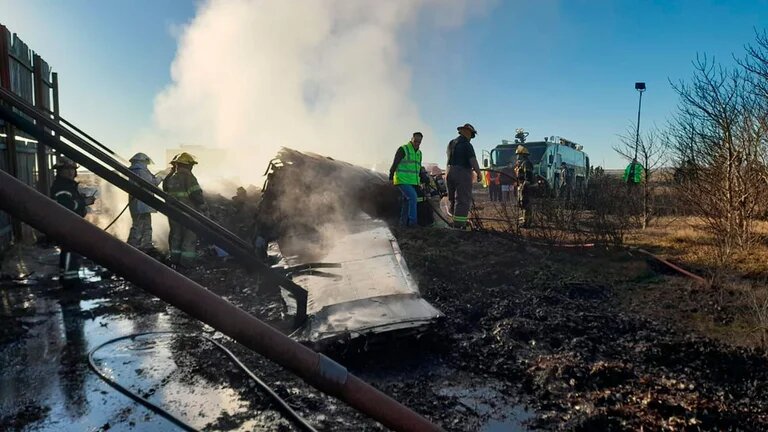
(251, 76)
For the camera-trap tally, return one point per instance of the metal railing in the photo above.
(88, 152)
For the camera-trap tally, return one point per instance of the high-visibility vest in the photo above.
(407, 171)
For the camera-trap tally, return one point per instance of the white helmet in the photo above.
(141, 157)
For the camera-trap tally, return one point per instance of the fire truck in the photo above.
(546, 156)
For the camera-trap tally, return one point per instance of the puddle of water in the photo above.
(48, 368)
(146, 365)
(500, 414)
(512, 420)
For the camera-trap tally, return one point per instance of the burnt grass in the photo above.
(549, 323)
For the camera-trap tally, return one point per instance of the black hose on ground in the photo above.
(124, 208)
(281, 403)
(117, 217)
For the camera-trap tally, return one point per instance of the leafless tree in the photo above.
(652, 155)
(755, 64)
(717, 142)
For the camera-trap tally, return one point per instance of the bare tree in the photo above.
(717, 142)
(652, 155)
(756, 66)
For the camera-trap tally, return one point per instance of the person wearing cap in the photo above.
(140, 235)
(64, 191)
(405, 173)
(183, 186)
(461, 162)
(524, 175)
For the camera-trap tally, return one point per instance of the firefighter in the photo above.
(404, 173)
(182, 185)
(461, 162)
(64, 191)
(140, 235)
(524, 176)
(564, 189)
(240, 198)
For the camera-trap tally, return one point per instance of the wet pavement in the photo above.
(46, 383)
(533, 339)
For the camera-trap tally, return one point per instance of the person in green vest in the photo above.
(633, 174)
(404, 173)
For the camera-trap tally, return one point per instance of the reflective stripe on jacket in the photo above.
(408, 169)
(183, 186)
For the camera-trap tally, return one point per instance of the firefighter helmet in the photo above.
(63, 162)
(521, 149)
(141, 157)
(184, 159)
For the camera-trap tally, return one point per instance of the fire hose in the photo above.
(280, 402)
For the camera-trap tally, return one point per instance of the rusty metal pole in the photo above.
(41, 87)
(316, 369)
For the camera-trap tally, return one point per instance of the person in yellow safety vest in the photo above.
(633, 174)
(182, 185)
(404, 173)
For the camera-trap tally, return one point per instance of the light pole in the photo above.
(640, 87)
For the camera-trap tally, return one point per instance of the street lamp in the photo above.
(640, 87)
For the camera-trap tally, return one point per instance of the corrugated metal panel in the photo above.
(373, 292)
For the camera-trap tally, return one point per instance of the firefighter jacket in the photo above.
(140, 169)
(183, 186)
(524, 169)
(65, 192)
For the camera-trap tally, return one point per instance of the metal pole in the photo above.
(149, 194)
(77, 234)
(637, 134)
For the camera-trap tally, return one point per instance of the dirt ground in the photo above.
(534, 338)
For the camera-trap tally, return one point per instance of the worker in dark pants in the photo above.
(524, 175)
(64, 190)
(182, 185)
(461, 162)
(140, 235)
(564, 191)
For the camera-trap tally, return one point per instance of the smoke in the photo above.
(251, 76)
(108, 209)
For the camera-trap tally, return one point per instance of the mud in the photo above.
(534, 339)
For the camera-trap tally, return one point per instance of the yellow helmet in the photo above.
(522, 150)
(184, 159)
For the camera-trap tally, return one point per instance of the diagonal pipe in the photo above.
(77, 234)
(120, 176)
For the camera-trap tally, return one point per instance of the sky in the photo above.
(130, 71)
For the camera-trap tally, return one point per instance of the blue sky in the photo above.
(553, 67)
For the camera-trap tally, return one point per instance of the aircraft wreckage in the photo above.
(336, 243)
